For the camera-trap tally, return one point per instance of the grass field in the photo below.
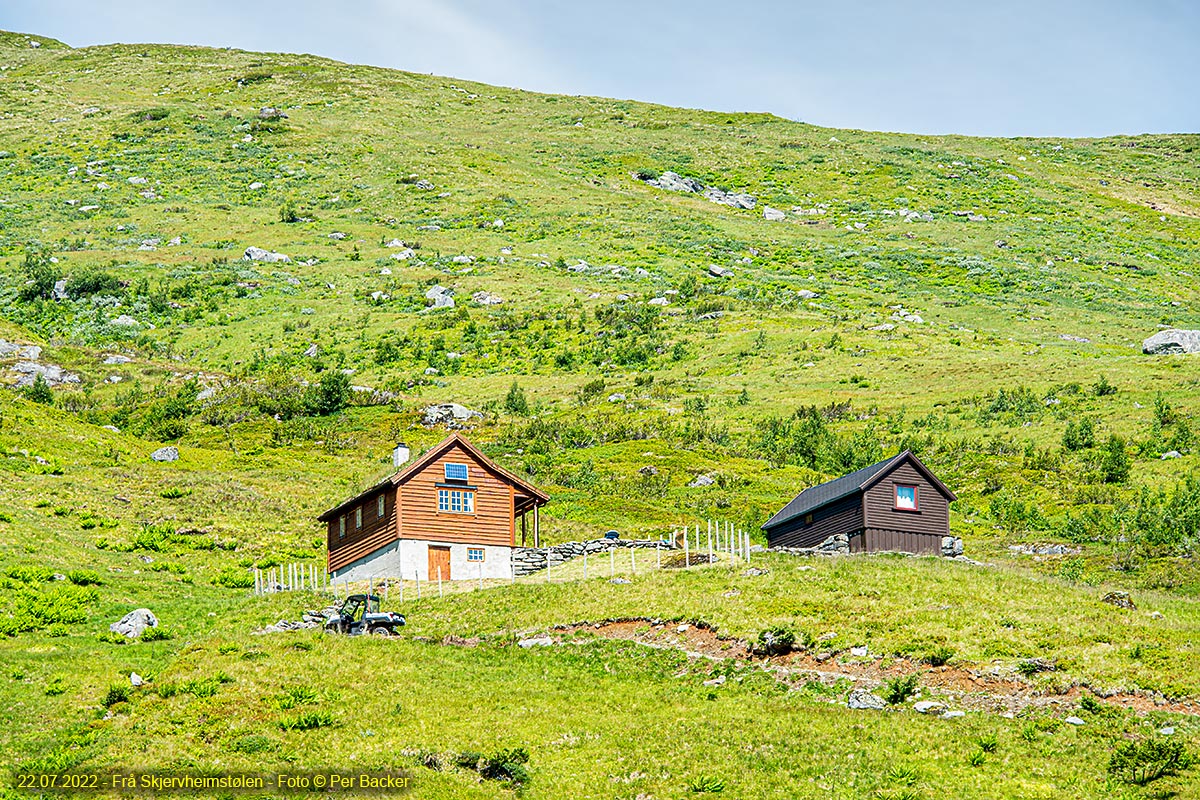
(139, 174)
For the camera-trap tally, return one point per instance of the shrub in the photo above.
(40, 275)
(977, 758)
(93, 281)
(776, 641)
(515, 401)
(1102, 388)
(174, 493)
(1143, 762)
(707, 784)
(1079, 435)
(253, 744)
(897, 690)
(1115, 463)
(117, 693)
(939, 656)
(330, 395)
(988, 742)
(84, 577)
(200, 687)
(296, 696)
(287, 212)
(155, 634)
(39, 391)
(307, 721)
(234, 578)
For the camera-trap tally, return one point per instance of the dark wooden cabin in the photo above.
(896, 505)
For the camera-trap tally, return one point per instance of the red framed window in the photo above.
(907, 497)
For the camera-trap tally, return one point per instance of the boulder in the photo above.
(1172, 341)
(535, 641)
(928, 707)
(1118, 599)
(27, 351)
(450, 414)
(126, 321)
(773, 214)
(808, 294)
(862, 699)
(674, 182)
(117, 359)
(423, 184)
(170, 453)
(53, 374)
(718, 271)
(701, 480)
(258, 254)
(135, 680)
(268, 112)
(132, 624)
(717, 681)
(658, 301)
(254, 187)
(441, 296)
(1074, 721)
(312, 351)
(954, 714)
(1171, 454)
(952, 546)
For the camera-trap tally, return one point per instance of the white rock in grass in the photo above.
(928, 707)
(862, 699)
(132, 624)
(954, 714)
(536, 641)
(773, 214)
(1074, 721)
(135, 679)
(169, 453)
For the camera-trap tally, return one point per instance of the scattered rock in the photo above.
(170, 453)
(487, 298)
(258, 254)
(928, 707)
(132, 624)
(423, 184)
(953, 714)
(701, 480)
(649, 469)
(1118, 599)
(717, 681)
(1172, 341)
(1043, 549)
(126, 321)
(135, 680)
(1070, 337)
(862, 699)
(254, 187)
(754, 572)
(808, 294)
(1171, 454)
(658, 301)
(883, 327)
(732, 199)
(773, 214)
(53, 374)
(620, 580)
(616, 397)
(338, 235)
(719, 272)
(137, 180)
(1074, 721)
(536, 641)
(27, 351)
(312, 351)
(268, 112)
(859, 652)
(452, 415)
(1167, 731)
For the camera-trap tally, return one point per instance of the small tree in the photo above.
(515, 401)
(40, 275)
(330, 395)
(1079, 435)
(40, 391)
(1115, 463)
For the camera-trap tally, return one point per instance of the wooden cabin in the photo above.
(896, 505)
(452, 513)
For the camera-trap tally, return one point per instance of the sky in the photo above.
(1006, 68)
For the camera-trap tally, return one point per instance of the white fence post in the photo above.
(687, 560)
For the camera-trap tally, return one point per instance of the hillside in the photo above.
(979, 301)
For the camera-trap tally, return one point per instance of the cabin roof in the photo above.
(403, 475)
(821, 495)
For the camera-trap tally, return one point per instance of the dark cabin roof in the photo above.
(823, 494)
(539, 497)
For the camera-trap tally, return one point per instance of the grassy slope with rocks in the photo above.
(1044, 438)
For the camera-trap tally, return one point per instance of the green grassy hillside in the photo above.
(980, 301)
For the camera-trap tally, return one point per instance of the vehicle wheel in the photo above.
(380, 630)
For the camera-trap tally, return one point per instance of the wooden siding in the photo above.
(843, 516)
(880, 540)
(492, 521)
(932, 516)
(374, 533)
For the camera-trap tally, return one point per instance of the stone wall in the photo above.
(526, 560)
(839, 545)
(836, 545)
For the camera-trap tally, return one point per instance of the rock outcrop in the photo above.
(1172, 341)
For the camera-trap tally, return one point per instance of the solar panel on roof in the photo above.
(456, 472)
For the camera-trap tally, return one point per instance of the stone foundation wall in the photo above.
(836, 545)
(526, 560)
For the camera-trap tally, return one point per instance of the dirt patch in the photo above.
(957, 686)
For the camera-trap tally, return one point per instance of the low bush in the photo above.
(1142, 762)
(897, 690)
(939, 656)
(307, 721)
(117, 693)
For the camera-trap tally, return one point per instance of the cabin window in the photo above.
(341, 526)
(379, 506)
(808, 519)
(475, 554)
(358, 517)
(906, 497)
(456, 501)
(456, 472)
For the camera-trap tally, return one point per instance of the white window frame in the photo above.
(358, 518)
(341, 526)
(473, 551)
(379, 506)
(456, 501)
